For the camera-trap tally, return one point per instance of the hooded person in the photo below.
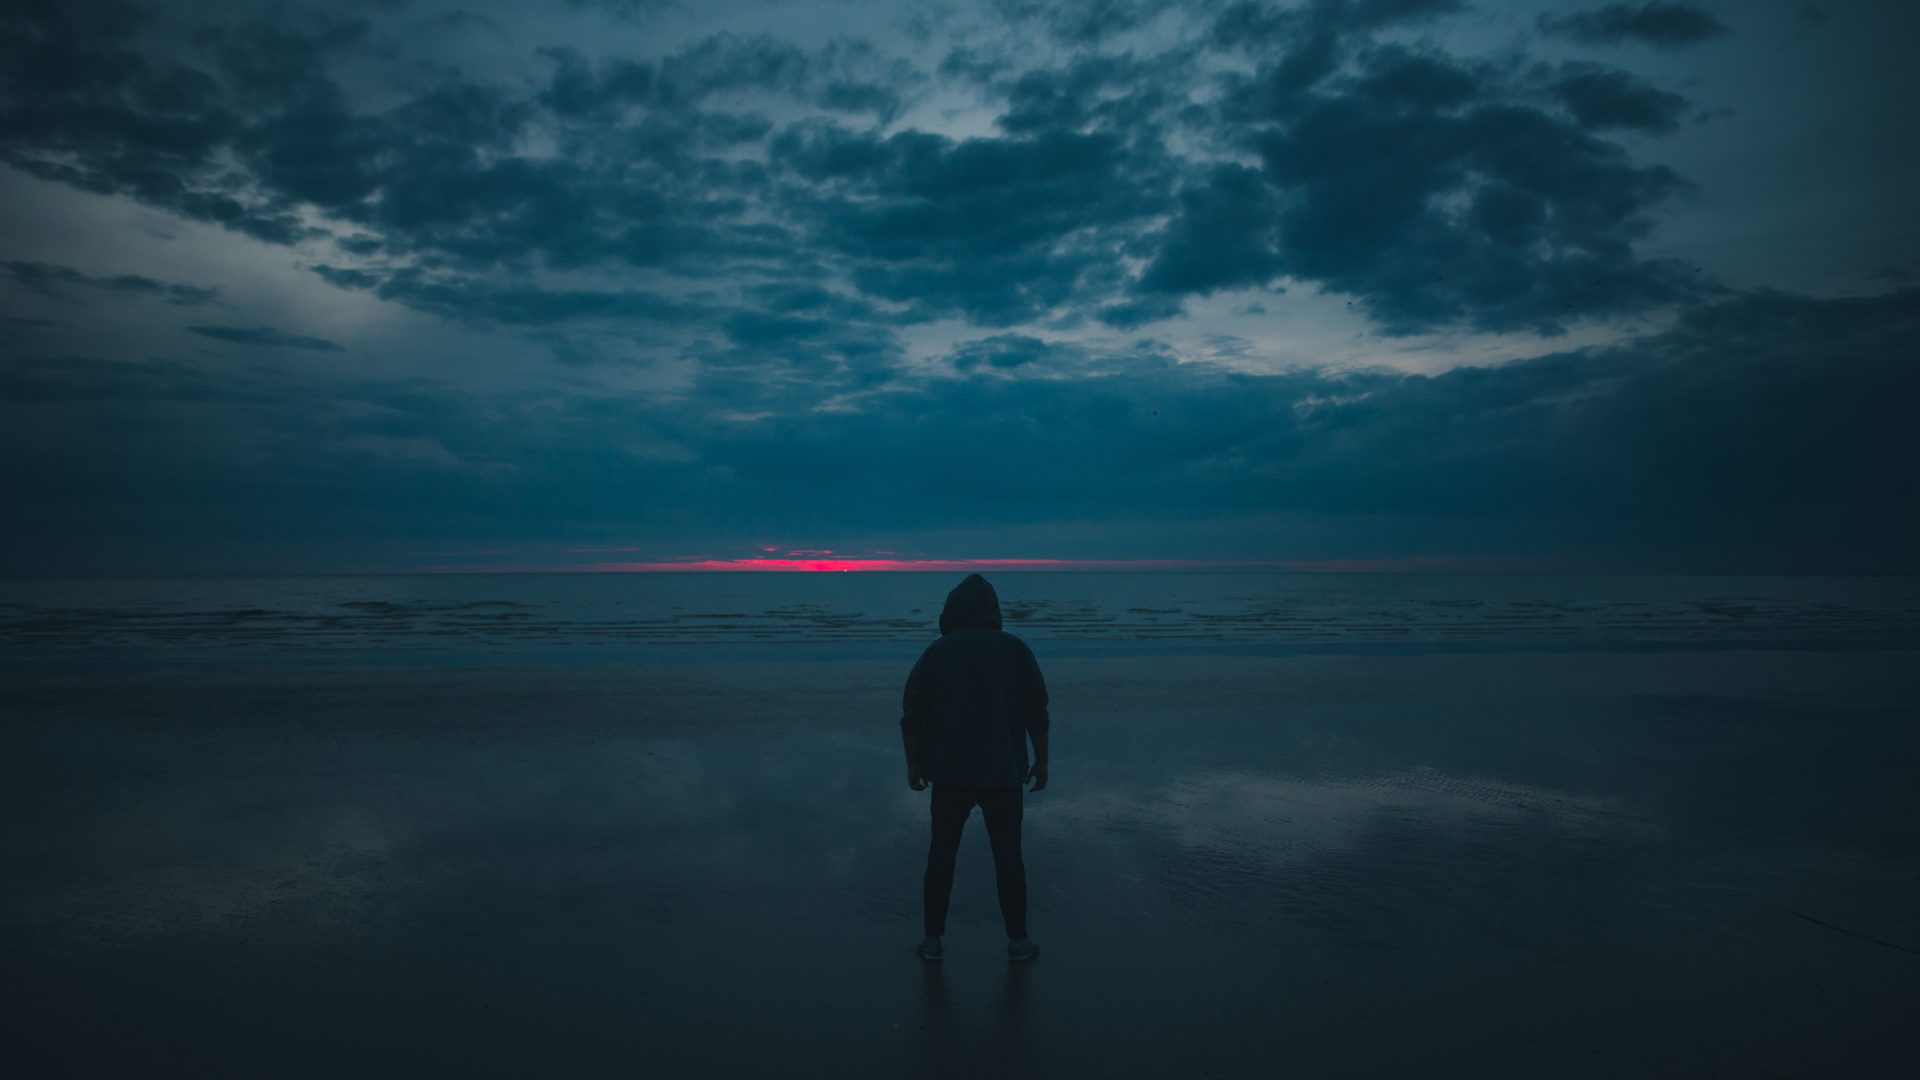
(973, 702)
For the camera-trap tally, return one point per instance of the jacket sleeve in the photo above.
(916, 704)
(1034, 691)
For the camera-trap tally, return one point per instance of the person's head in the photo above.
(971, 603)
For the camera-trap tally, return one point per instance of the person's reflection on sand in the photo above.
(1012, 1051)
(937, 1044)
(950, 1046)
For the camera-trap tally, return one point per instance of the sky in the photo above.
(389, 285)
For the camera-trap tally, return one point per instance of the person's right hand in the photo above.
(915, 780)
(1038, 774)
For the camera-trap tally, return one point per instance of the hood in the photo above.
(971, 603)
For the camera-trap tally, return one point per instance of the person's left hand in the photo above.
(915, 780)
(1038, 774)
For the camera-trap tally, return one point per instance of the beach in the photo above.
(1592, 863)
(479, 479)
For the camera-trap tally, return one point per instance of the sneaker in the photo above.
(1021, 949)
(930, 949)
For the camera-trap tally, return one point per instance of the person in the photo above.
(973, 701)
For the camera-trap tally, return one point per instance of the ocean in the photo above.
(482, 620)
(658, 824)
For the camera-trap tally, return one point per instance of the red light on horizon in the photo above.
(1417, 564)
(846, 564)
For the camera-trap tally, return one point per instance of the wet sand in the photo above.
(1493, 865)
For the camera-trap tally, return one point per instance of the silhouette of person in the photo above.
(971, 704)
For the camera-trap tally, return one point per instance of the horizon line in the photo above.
(855, 565)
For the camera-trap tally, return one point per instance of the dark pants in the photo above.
(1001, 807)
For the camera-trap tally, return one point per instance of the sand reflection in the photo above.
(1277, 820)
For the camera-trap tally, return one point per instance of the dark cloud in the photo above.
(265, 336)
(1429, 185)
(84, 107)
(483, 300)
(1007, 351)
(992, 228)
(1765, 427)
(34, 381)
(1083, 22)
(1312, 30)
(1664, 25)
(437, 175)
(1432, 186)
(626, 9)
(45, 278)
(577, 91)
(1224, 235)
(1600, 99)
(1110, 93)
(1765, 431)
(1434, 190)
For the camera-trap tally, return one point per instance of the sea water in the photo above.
(478, 620)
(658, 825)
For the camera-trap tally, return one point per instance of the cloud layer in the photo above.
(1662, 25)
(1289, 142)
(855, 320)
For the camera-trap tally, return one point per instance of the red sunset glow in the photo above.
(848, 564)
(812, 562)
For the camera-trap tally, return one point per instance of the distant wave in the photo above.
(430, 615)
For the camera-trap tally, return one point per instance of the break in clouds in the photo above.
(994, 280)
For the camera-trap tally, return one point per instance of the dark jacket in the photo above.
(974, 695)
